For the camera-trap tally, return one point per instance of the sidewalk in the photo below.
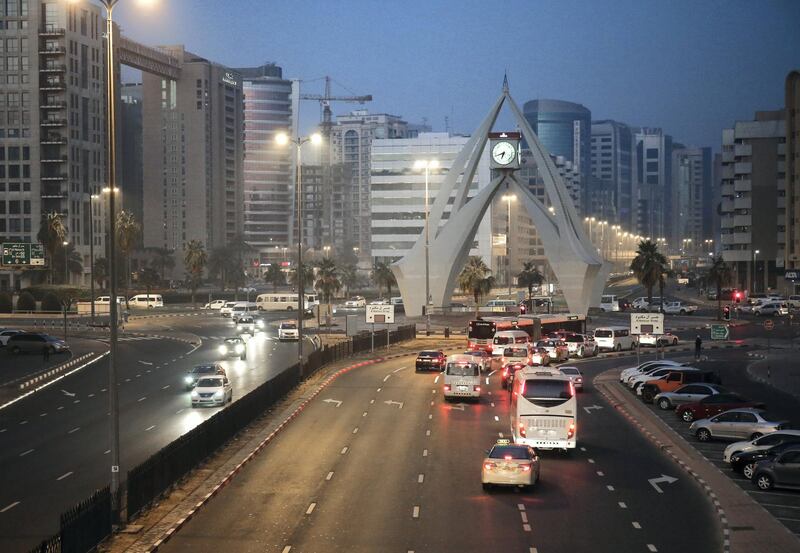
(779, 369)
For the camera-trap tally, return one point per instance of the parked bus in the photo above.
(284, 301)
(544, 409)
(481, 331)
(555, 322)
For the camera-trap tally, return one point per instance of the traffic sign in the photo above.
(720, 332)
(647, 323)
(22, 254)
(769, 324)
(380, 314)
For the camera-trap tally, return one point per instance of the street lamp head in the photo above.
(316, 138)
(426, 164)
(509, 197)
(592, 219)
(107, 189)
(65, 243)
(758, 252)
(94, 196)
(282, 138)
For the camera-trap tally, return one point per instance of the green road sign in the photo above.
(720, 332)
(21, 254)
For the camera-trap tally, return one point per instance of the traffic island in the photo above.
(746, 526)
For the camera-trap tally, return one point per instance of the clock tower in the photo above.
(504, 150)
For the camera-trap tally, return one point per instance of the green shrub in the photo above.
(26, 302)
(50, 302)
(6, 303)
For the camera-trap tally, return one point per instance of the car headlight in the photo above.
(239, 348)
(223, 349)
(188, 379)
(239, 328)
(195, 394)
(260, 323)
(218, 393)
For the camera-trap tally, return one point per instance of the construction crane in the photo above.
(325, 105)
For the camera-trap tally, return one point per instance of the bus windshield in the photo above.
(547, 392)
(462, 369)
(481, 330)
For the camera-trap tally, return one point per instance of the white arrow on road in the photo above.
(663, 479)
(459, 406)
(398, 403)
(589, 409)
(336, 401)
(145, 362)
(69, 394)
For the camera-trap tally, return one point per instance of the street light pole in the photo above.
(92, 198)
(753, 272)
(66, 275)
(427, 165)
(508, 199)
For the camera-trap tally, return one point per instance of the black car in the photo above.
(199, 371)
(783, 471)
(745, 462)
(430, 360)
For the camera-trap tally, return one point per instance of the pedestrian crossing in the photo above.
(131, 339)
(221, 338)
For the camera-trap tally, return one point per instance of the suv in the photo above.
(34, 342)
(580, 345)
(770, 308)
(674, 380)
(430, 360)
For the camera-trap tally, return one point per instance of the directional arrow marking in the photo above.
(398, 403)
(589, 408)
(459, 406)
(336, 401)
(69, 394)
(663, 479)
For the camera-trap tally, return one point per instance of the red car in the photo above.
(430, 360)
(713, 405)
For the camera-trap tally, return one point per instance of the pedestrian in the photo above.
(46, 353)
(698, 347)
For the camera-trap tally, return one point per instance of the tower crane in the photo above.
(325, 104)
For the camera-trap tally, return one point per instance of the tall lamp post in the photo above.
(753, 272)
(66, 274)
(427, 165)
(92, 198)
(283, 139)
(509, 199)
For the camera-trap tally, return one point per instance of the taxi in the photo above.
(233, 347)
(509, 464)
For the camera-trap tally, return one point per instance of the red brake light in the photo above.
(477, 388)
(447, 387)
(507, 457)
(525, 467)
(522, 429)
(571, 430)
(489, 466)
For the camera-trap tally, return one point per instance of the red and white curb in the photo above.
(54, 371)
(229, 477)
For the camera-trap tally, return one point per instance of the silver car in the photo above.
(575, 376)
(775, 309)
(761, 443)
(688, 393)
(736, 424)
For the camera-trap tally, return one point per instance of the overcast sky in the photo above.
(691, 67)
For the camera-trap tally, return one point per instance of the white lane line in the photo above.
(330, 475)
(496, 418)
(491, 373)
(142, 398)
(355, 430)
(430, 417)
(145, 362)
(610, 488)
(420, 478)
(138, 376)
(424, 452)
(636, 525)
(433, 391)
(651, 548)
(520, 506)
(487, 380)
(436, 380)
(415, 513)
(74, 430)
(103, 390)
(583, 449)
(379, 389)
(600, 473)
(343, 451)
(60, 407)
(65, 475)
(149, 428)
(23, 422)
(533, 550)
(622, 505)
(364, 414)
(427, 432)
(76, 401)
(492, 403)
(24, 453)
(3, 430)
(179, 411)
(9, 507)
(400, 369)
(371, 401)
(591, 461)
(165, 387)
(310, 508)
(524, 516)
(387, 377)
(500, 434)
(431, 403)
(90, 395)
(43, 415)
(127, 380)
(287, 549)
(526, 527)
(106, 452)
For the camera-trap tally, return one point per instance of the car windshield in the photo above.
(602, 334)
(515, 352)
(205, 369)
(512, 451)
(501, 340)
(209, 383)
(570, 370)
(429, 354)
(462, 369)
(575, 338)
(542, 388)
(288, 326)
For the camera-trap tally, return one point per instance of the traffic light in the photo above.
(726, 312)
(737, 296)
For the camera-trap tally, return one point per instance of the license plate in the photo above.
(462, 388)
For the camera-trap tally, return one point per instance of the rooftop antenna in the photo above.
(505, 82)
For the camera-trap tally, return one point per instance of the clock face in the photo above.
(504, 153)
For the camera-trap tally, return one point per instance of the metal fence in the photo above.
(82, 527)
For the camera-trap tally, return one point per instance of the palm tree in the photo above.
(648, 265)
(308, 276)
(148, 277)
(195, 258)
(382, 275)
(327, 281)
(530, 277)
(721, 274)
(275, 276)
(101, 271)
(476, 279)
(52, 233)
(219, 262)
(348, 277)
(73, 260)
(238, 247)
(128, 231)
(165, 259)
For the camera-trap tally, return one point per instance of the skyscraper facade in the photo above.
(654, 176)
(691, 200)
(611, 195)
(130, 145)
(792, 173)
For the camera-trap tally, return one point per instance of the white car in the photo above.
(7, 333)
(666, 339)
(580, 345)
(355, 302)
(763, 442)
(641, 304)
(288, 331)
(215, 305)
(226, 309)
(511, 465)
(644, 367)
(678, 308)
(379, 301)
(793, 302)
(249, 325)
(575, 376)
(212, 390)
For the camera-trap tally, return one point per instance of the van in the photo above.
(146, 301)
(462, 377)
(241, 308)
(614, 338)
(609, 303)
(502, 305)
(505, 338)
(106, 300)
(397, 301)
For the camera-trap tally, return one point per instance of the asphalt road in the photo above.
(54, 444)
(371, 475)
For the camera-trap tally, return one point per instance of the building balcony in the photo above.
(52, 85)
(62, 159)
(743, 168)
(742, 238)
(732, 256)
(53, 68)
(727, 157)
(743, 185)
(54, 178)
(53, 139)
(726, 222)
(781, 238)
(726, 239)
(726, 206)
(52, 51)
(54, 105)
(51, 31)
(740, 150)
(742, 220)
(782, 149)
(781, 202)
(54, 122)
(726, 190)
(741, 203)
(727, 171)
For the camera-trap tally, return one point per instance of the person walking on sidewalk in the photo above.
(698, 347)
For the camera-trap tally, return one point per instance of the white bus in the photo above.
(284, 301)
(544, 409)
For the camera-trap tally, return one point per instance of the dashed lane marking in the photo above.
(487, 380)
(343, 451)
(622, 505)
(591, 461)
(524, 516)
(583, 449)
(43, 414)
(165, 387)
(23, 422)
(9, 507)
(142, 398)
(492, 404)
(24, 453)
(420, 478)
(371, 401)
(330, 475)
(491, 373)
(415, 512)
(526, 527)
(59, 408)
(500, 434)
(600, 473)
(74, 430)
(424, 452)
(355, 430)
(610, 488)
(651, 548)
(400, 369)
(636, 525)
(65, 475)
(378, 390)
(149, 428)
(430, 417)
(310, 508)
(179, 411)
(436, 380)
(364, 414)
(521, 506)
(496, 418)
(385, 378)
(287, 549)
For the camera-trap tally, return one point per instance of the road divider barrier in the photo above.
(41, 377)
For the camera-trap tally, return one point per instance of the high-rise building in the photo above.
(52, 123)
(130, 146)
(611, 195)
(192, 132)
(753, 207)
(269, 109)
(691, 200)
(397, 192)
(792, 173)
(328, 215)
(565, 129)
(654, 177)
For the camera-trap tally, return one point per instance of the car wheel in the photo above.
(675, 342)
(687, 416)
(664, 404)
(749, 470)
(486, 486)
(763, 481)
(289, 309)
(618, 347)
(755, 435)
(683, 312)
(703, 435)
(15, 350)
(647, 396)
(757, 313)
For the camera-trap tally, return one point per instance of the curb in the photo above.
(723, 519)
(54, 371)
(229, 477)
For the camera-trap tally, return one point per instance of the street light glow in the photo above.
(282, 138)
(509, 197)
(426, 164)
(316, 138)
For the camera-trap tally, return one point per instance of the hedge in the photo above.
(26, 302)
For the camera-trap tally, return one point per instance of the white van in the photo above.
(242, 308)
(505, 338)
(106, 300)
(502, 305)
(145, 301)
(462, 377)
(614, 338)
(609, 303)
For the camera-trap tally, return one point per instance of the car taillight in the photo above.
(489, 466)
(521, 427)
(476, 388)
(447, 387)
(571, 430)
(525, 467)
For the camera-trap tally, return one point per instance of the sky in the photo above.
(691, 67)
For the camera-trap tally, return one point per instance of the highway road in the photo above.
(395, 468)
(54, 444)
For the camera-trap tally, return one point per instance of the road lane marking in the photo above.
(431, 403)
(65, 475)
(400, 369)
(430, 417)
(287, 549)
(330, 475)
(179, 411)
(145, 362)
(491, 373)
(371, 401)
(379, 389)
(591, 461)
(636, 525)
(74, 430)
(487, 380)
(103, 390)
(60, 407)
(496, 418)
(343, 451)
(610, 488)
(651, 548)
(500, 434)
(76, 401)
(436, 380)
(424, 452)
(355, 430)
(106, 452)
(24, 453)
(165, 387)
(583, 449)
(433, 391)
(600, 473)
(149, 428)
(138, 376)
(415, 513)
(127, 380)
(364, 414)
(23, 422)
(427, 432)
(622, 505)
(310, 508)
(524, 516)
(43, 415)
(520, 506)
(90, 395)
(385, 378)
(420, 478)
(3, 430)
(142, 398)
(9, 507)
(492, 404)
(526, 527)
